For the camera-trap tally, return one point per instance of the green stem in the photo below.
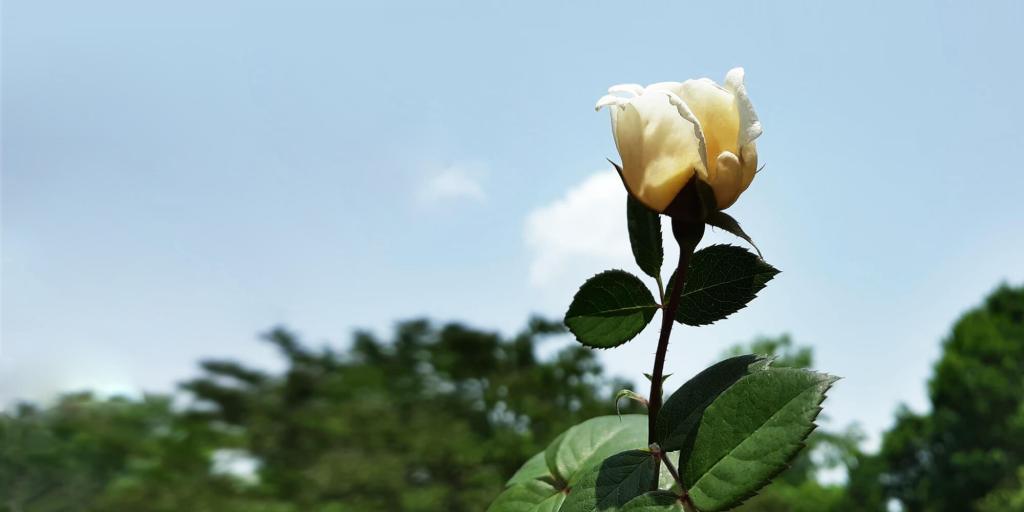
(688, 235)
(685, 497)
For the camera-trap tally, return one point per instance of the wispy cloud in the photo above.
(454, 183)
(586, 228)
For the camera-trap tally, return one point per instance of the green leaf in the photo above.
(613, 483)
(749, 434)
(645, 236)
(524, 497)
(655, 501)
(552, 504)
(587, 444)
(677, 421)
(725, 221)
(551, 456)
(721, 280)
(610, 309)
(533, 469)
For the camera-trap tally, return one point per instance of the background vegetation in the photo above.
(400, 424)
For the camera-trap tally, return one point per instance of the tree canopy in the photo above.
(438, 417)
(967, 453)
(434, 419)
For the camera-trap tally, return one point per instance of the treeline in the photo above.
(437, 417)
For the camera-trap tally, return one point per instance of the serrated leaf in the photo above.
(749, 434)
(645, 236)
(534, 468)
(524, 497)
(654, 501)
(611, 484)
(587, 444)
(610, 309)
(721, 280)
(678, 419)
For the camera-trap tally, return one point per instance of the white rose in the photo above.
(669, 132)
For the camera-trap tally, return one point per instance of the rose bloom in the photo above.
(669, 132)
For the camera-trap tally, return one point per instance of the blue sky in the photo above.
(178, 177)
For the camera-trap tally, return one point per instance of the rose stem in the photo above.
(688, 235)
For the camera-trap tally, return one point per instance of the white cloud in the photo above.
(453, 183)
(585, 229)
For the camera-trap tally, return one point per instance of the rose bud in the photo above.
(669, 132)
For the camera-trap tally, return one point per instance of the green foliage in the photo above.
(808, 496)
(1009, 497)
(435, 419)
(749, 434)
(552, 504)
(525, 497)
(679, 418)
(721, 280)
(610, 309)
(645, 236)
(533, 469)
(587, 444)
(613, 483)
(377, 408)
(966, 453)
(735, 425)
(798, 488)
(84, 454)
(655, 501)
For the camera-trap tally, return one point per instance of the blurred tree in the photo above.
(1006, 498)
(967, 453)
(85, 454)
(435, 419)
(439, 416)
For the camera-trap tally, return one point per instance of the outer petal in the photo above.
(748, 161)
(609, 100)
(659, 150)
(750, 126)
(664, 86)
(631, 89)
(628, 131)
(729, 184)
(716, 109)
(698, 130)
(672, 90)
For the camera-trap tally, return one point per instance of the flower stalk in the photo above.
(687, 234)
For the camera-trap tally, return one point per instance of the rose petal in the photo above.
(716, 109)
(748, 161)
(633, 89)
(659, 150)
(698, 130)
(609, 100)
(750, 126)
